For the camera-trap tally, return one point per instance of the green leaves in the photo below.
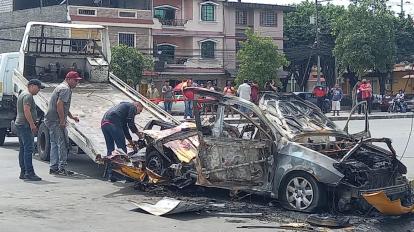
(365, 38)
(128, 63)
(259, 59)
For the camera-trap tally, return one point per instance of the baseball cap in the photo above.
(73, 75)
(36, 82)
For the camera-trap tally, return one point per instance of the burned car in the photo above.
(284, 148)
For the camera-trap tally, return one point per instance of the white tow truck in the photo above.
(48, 52)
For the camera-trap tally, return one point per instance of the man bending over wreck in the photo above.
(115, 124)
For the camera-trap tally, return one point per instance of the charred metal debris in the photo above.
(285, 148)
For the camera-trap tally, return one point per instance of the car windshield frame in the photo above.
(294, 115)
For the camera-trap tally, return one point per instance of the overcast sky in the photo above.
(395, 4)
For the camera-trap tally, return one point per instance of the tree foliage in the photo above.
(365, 38)
(129, 64)
(300, 46)
(259, 59)
(404, 39)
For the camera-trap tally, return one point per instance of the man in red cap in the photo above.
(55, 120)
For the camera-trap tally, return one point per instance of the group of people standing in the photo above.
(55, 120)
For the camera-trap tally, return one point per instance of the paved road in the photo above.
(84, 202)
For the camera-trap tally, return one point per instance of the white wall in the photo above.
(197, 25)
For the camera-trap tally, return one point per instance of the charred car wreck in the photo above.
(285, 148)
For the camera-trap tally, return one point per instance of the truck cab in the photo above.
(8, 62)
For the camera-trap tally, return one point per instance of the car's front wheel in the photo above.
(156, 163)
(301, 192)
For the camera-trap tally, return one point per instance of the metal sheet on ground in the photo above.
(168, 206)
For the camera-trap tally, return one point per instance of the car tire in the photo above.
(300, 191)
(3, 132)
(43, 143)
(156, 162)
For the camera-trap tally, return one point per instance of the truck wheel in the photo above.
(2, 135)
(43, 143)
(301, 192)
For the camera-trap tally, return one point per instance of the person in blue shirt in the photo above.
(337, 95)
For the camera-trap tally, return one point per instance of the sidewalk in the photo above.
(374, 115)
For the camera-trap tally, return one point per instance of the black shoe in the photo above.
(32, 177)
(22, 176)
(53, 171)
(64, 172)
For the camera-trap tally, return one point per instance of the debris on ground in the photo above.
(239, 215)
(288, 226)
(168, 206)
(384, 205)
(327, 220)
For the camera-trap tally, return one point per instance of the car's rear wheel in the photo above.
(301, 192)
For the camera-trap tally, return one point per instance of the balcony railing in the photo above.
(173, 22)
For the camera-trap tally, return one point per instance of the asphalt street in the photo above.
(86, 202)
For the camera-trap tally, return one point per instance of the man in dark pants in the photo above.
(116, 124)
(26, 128)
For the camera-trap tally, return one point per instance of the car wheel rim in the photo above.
(299, 193)
(155, 164)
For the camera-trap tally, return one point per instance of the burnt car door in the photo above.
(236, 152)
(353, 127)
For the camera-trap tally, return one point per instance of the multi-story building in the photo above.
(190, 41)
(195, 39)
(265, 19)
(199, 39)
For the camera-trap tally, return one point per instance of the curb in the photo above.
(371, 117)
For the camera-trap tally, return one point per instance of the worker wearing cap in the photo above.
(27, 128)
(55, 120)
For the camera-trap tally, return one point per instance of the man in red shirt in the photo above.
(366, 92)
(320, 94)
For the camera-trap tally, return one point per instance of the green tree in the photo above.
(365, 40)
(300, 46)
(259, 59)
(404, 39)
(128, 64)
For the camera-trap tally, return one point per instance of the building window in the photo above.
(166, 52)
(241, 17)
(127, 39)
(87, 12)
(268, 19)
(164, 13)
(207, 49)
(208, 12)
(127, 14)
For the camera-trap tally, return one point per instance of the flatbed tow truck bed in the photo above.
(90, 101)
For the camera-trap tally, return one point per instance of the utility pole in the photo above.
(318, 80)
(402, 8)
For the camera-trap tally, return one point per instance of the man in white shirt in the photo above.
(244, 91)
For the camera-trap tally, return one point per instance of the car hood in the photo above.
(295, 117)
